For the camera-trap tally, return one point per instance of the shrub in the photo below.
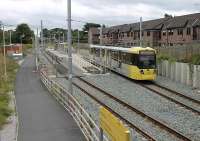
(196, 60)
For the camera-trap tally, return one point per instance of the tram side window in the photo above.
(97, 52)
(134, 59)
(114, 55)
(127, 58)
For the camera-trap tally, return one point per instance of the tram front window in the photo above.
(147, 62)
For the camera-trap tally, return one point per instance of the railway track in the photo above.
(176, 97)
(82, 84)
(146, 117)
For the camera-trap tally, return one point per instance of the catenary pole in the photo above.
(140, 31)
(78, 45)
(69, 39)
(4, 53)
(36, 50)
(64, 42)
(10, 37)
(42, 41)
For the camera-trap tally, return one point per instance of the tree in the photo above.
(167, 15)
(87, 26)
(24, 32)
(46, 33)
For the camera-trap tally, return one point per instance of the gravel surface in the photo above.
(187, 90)
(157, 106)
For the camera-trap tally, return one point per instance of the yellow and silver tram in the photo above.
(138, 63)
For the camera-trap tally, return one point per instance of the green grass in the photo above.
(27, 48)
(6, 85)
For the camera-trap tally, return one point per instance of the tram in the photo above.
(138, 63)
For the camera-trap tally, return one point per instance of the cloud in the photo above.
(109, 12)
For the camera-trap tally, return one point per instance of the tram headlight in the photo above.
(142, 71)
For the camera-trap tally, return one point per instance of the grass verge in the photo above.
(6, 86)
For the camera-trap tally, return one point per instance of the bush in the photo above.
(161, 57)
(196, 60)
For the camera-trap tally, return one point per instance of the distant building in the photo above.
(165, 31)
(12, 49)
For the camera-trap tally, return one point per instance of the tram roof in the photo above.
(130, 50)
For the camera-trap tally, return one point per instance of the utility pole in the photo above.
(10, 37)
(140, 31)
(69, 39)
(42, 41)
(64, 42)
(36, 50)
(78, 41)
(101, 43)
(4, 53)
(58, 40)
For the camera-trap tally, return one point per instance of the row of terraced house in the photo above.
(168, 31)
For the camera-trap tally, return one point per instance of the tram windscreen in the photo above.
(147, 61)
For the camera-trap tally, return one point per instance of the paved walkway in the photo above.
(41, 118)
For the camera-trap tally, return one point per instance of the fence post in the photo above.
(101, 135)
(195, 77)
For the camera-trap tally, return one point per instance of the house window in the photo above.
(135, 35)
(188, 31)
(128, 34)
(164, 33)
(138, 33)
(171, 32)
(148, 33)
(131, 34)
(180, 31)
(142, 33)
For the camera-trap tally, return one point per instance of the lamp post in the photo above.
(78, 45)
(69, 39)
(4, 54)
(10, 37)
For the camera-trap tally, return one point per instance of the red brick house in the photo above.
(165, 31)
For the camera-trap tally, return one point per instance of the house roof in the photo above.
(158, 24)
(182, 21)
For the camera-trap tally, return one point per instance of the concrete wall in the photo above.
(180, 72)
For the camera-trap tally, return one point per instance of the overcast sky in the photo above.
(108, 12)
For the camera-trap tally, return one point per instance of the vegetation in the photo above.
(87, 26)
(6, 85)
(59, 32)
(27, 48)
(161, 57)
(21, 33)
(196, 60)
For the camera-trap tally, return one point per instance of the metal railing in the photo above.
(84, 121)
